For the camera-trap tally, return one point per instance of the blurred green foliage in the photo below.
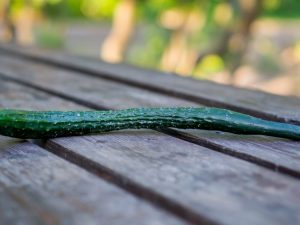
(148, 10)
(148, 13)
(283, 9)
(149, 54)
(49, 35)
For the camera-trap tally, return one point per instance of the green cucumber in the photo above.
(51, 124)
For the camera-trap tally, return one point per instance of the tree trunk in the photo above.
(8, 29)
(24, 24)
(249, 12)
(178, 56)
(114, 46)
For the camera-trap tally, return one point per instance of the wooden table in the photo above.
(141, 177)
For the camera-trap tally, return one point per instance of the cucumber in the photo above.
(51, 124)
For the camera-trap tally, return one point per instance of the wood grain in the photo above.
(201, 180)
(19, 97)
(99, 94)
(37, 187)
(278, 154)
(196, 183)
(34, 101)
(256, 103)
(137, 211)
(108, 94)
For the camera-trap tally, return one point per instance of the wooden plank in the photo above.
(94, 200)
(279, 154)
(257, 103)
(108, 94)
(19, 97)
(37, 100)
(201, 180)
(97, 93)
(195, 181)
(37, 187)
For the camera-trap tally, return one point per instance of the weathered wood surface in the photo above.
(192, 181)
(20, 97)
(37, 187)
(276, 153)
(252, 102)
(282, 156)
(108, 94)
(201, 180)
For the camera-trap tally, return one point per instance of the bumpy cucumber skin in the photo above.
(51, 124)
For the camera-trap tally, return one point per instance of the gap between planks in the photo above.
(254, 173)
(170, 131)
(165, 203)
(152, 196)
(143, 85)
(36, 187)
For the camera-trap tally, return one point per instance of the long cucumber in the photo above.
(51, 124)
